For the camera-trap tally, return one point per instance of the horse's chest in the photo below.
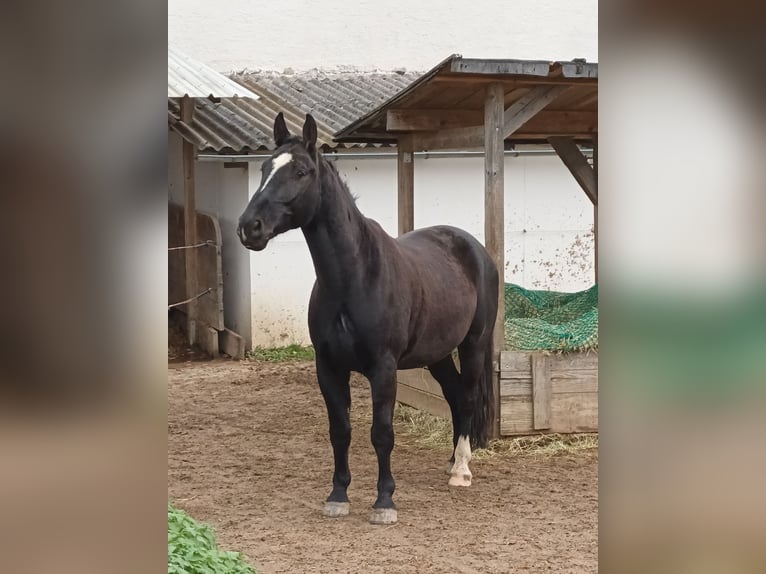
(349, 342)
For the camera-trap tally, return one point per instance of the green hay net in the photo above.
(549, 320)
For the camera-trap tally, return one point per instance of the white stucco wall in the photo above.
(548, 235)
(369, 34)
(222, 192)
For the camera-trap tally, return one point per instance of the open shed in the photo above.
(494, 105)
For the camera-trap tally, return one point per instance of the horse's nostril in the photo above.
(257, 225)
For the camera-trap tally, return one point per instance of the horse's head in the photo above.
(289, 192)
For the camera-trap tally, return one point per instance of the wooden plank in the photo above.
(431, 119)
(557, 122)
(231, 343)
(579, 69)
(405, 170)
(424, 401)
(573, 392)
(455, 138)
(190, 227)
(541, 392)
(570, 413)
(517, 417)
(494, 214)
(519, 362)
(420, 379)
(209, 266)
(515, 361)
(577, 164)
(454, 81)
(545, 123)
(583, 382)
(539, 68)
(574, 412)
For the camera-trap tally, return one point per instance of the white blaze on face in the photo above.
(460, 475)
(276, 164)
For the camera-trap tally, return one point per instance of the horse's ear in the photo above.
(310, 134)
(280, 130)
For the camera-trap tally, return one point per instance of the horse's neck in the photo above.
(338, 238)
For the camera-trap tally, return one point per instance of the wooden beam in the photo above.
(546, 122)
(405, 171)
(538, 68)
(461, 80)
(190, 220)
(517, 114)
(494, 216)
(554, 123)
(455, 138)
(431, 120)
(577, 164)
(528, 106)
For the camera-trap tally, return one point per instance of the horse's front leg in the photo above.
(383, 384)
(335, 389)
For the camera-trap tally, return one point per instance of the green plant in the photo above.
(282, 354)
(192, 549)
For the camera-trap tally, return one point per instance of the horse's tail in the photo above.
(484, 413)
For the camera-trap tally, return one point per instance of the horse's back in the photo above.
(449, 244)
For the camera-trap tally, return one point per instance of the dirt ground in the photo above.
(248, 453)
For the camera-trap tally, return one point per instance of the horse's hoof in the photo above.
(336, 509)
(383, 516)
(460, 480)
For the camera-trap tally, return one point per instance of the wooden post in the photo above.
(595, 207)
(541, 392)
(405, 170)
(494, 217)
(190, 221)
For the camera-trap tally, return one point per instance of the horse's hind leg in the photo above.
(448, 378)
(337, 395)
(471, 365)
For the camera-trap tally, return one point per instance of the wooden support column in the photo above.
(494, 216)
(405, 169)
(190, 221)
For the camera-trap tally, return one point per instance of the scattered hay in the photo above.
(424, 429)
(539, 445)
(432, 432)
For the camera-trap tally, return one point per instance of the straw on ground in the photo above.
(425, 430)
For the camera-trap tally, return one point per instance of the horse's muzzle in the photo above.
(251, 234)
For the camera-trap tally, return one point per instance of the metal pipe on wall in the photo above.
(387, 155)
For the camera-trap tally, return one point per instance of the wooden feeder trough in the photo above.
(539, 392)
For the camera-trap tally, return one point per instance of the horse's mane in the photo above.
(328, 167)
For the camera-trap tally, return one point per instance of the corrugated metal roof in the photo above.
(334, 99)
(230, 125)
(188, 77)
(244, 125)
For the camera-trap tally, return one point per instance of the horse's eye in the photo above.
(301, 173)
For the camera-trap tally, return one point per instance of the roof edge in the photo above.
(447, 62)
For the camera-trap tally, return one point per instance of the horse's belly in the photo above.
(432, 341)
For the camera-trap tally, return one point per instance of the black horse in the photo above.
(380, 304)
